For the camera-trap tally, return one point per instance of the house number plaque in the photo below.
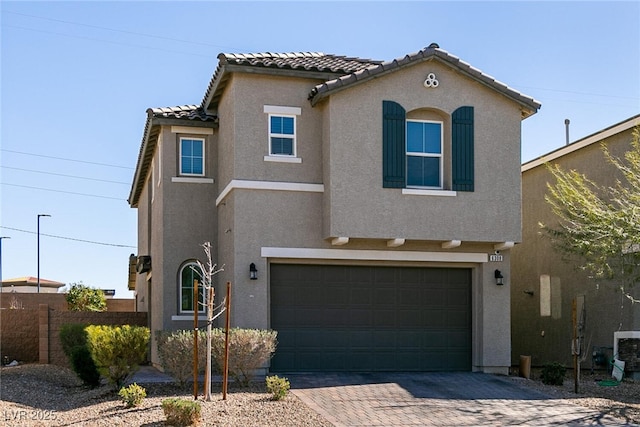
(495, 258)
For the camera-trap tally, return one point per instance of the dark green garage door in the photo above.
(358, 318)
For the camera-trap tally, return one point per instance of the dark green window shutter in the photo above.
(393, 145)
(462, 164)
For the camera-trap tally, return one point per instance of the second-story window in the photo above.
(424, 154)
(192, 156)
(282, 135)
(283, 128)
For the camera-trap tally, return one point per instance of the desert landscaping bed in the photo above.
(48, 395)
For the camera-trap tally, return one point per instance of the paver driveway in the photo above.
(436, 399)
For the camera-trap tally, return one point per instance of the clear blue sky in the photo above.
(77, 78)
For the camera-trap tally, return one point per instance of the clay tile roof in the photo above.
(433, 52)
(303, 62)
(190, 112)
(316, 61)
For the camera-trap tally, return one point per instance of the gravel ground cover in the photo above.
(48, 395)
(621, 401)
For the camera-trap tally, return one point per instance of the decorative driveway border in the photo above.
(436, 399)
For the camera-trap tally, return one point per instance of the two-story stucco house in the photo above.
(375, 203)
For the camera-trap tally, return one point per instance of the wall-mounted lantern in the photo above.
(498, 275)
(253, 272)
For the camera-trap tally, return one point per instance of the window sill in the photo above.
(192, 180)
(419, 192)
(187, 317)
(283, 159)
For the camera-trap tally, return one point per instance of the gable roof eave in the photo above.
(156, 118)
(321, 91)
(588, 140)
(311, 65)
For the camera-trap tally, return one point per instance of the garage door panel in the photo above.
(359, 295)
(384, 296)
(407, 318)
(434, 297)
(360, 318)
(436, 318)
(364, 318)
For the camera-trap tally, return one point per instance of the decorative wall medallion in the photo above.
(431, 81)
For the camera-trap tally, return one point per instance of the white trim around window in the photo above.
(420, 192)
(284, 133)
(196, 157)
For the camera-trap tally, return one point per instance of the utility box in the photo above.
(626, 347)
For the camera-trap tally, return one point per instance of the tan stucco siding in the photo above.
(250, 138)
(360, 207)
(547, 338)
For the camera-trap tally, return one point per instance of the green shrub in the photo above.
(74, 345)
(553, 374)
(132, 395)
(278, 387)
(84, 366)
(175, 349)
(249, 349)
(118, 350)
(83, 298)
(181, 412)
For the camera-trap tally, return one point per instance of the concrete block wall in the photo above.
(55, 355)
(19, 335)
(33, 335)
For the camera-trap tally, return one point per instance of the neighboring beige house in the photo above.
(544, 284)
(365, 210)
(30, 285)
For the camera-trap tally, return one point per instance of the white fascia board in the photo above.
(268, 185)
(373, 255)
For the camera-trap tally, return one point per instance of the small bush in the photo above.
(553, 374)
(278, 387)
(118, 350)
(181, 412)
(132, 395)
(249, 349)
(74, 345)
(83, 365)
(175, 349)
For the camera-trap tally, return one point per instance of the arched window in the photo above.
(188, 274)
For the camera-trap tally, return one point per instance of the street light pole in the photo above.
(39, 215)
(1, 237)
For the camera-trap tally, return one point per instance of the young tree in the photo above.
(83, 298)
(600, 225)
(208, 272)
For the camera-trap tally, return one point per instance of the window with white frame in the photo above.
(282, 135)
(424, 154)
(188, 274)
(191, 156)
(282, 131)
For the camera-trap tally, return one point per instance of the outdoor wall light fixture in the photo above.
(498, 275)
(253, 272)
